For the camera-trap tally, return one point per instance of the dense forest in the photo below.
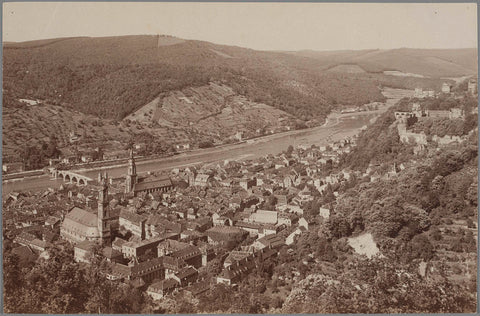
(60, 285)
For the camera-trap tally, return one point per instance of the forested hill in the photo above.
(113, 76)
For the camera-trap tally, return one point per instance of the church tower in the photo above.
(102, 215)
(131, 175)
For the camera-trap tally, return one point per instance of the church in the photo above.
(135, 185)
(80, 225)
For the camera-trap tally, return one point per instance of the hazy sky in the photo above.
(268, 26)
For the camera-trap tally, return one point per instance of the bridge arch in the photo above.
(71, 177)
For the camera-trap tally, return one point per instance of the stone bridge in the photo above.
(71, 177)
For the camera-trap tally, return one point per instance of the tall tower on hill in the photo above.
(102, 213)
(131, 178)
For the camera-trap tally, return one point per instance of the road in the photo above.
(338, 126)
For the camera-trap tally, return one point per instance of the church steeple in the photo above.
(102, 213)
(131, 178)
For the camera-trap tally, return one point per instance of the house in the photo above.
(290, 240)
(53, 222)
(252, 228)
(287, 219)
(14, 196)
(31, 240)
(307, 223)
(69, 159)
(87, 157)
(324, 212)
(162, 288)
(221, 220)
(282, 199)
(264, 217)
(236, 271)
(172, 265)
(446, 87)
(203, 223)
(268, 229)
(157, 224)
(202, 179)
(118, 243)
(238, 136)
(236, 255)
(198, 287)
(148, 270)
(135, 249)
(186, 276)
(438, 113)
(472, 86)
(185, 146)
(290, 181)
(112, 255)
(247, 183)
(133, 222)
(402, 115)
(191, 255)
(235, 203)
(83, 251)
(191, 213)
(456, 113)
(12, 167)
(169, 246)
(225, 234)
(193, 236)
(296, 209)
(269, 241)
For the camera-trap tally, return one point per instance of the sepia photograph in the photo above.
(245, 158)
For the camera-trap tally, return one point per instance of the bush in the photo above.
(205, 144)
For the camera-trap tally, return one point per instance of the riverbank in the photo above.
(337, 127)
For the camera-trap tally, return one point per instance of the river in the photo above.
(338, 126)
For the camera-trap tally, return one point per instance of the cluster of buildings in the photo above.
(407, 136)
(161, 234)
(446, 89)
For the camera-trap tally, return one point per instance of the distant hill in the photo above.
(435, 63)
(193, 115)
(112, 77)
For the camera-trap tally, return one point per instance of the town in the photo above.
(188, 229)
(161, 232)
(239, 158)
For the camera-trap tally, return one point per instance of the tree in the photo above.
(289, 151)
(13, 281)
(338, 226)
(205, 144)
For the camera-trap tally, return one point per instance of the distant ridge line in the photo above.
(30, 44)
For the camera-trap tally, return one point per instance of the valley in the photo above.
(164, 158)
(338, 126)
